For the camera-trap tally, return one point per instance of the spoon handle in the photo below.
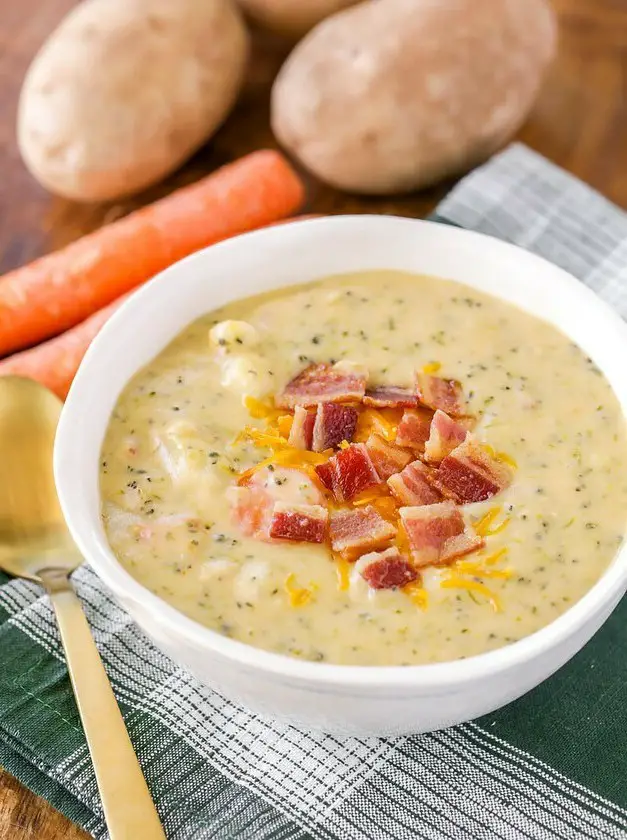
(128, 808)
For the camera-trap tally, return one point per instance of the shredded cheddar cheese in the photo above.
(298, 596)
(473, 586)
(260, 410)
(431, 367)
(417, 594)
(467, 567)
(373, 421)
(498, 528)
(503, 457)
(284, 425)
(263, 439)
(342, 571)
(484, 528)
(386, 506)
(369, 496)
(402, 540)
(288, 457)
(493, 559)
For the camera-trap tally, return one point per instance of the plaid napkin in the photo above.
(551, 765)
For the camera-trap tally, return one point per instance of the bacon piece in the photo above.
(469, 474)
(252, 503)
(301, 433)
(324, 383)
(386, 569)
(412, 486)
(445, 394)
(414, 429)
(387, 458)
(437, 533)
(349, 471)
(359, 530)
(325, 473)
(333, 424)
(445, 435)
(458, 546)
(390, 396)
(301, 523)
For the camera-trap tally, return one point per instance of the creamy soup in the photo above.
(174, 451)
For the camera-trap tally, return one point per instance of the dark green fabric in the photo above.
(577, 720)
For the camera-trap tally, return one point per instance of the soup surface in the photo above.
(173, 452)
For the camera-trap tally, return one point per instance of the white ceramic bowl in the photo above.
(339, 699)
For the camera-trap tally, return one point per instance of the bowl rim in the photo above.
(435, 676)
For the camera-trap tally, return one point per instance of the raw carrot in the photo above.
(55, 362)
(63, 288)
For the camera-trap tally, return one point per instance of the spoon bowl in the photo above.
(35, 544)
(33, 534)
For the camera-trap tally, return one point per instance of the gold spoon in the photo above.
(35, 544)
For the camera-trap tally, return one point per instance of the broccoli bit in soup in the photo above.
(372, 469)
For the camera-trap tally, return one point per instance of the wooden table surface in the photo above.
(580, 122)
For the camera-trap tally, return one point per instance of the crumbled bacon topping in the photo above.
(470, 474)
(386, 569)
(445, 435)
(325, 473)
(412, 486)
(414, 429)
(301, 523)
(349, 472)
(301, 433)
(398, 453)
(445, 394)
(434, 533)
(386, 457)
(457, 546)
(358, 530)
(334, 423)
(390, 396)
(323, 383)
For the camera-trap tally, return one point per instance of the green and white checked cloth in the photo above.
(552, 766)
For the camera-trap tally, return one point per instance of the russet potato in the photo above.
(392, 95)
(124, 91)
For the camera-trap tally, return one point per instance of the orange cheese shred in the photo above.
(431, 367)
(260, 410)
(298, 596)
(454, 582)
(288, 457)
(417, 594)
(342, 571)
(503, 457)
(284, 425)
(373, 421)
(368, 496)
(484, 527)
(263, 439)
(493, 559)
(402, 540)
(466, 567)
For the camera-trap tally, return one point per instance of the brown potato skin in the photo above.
(124, 91)
(291, 18)
(394, 95)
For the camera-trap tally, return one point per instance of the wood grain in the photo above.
(580, 122)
